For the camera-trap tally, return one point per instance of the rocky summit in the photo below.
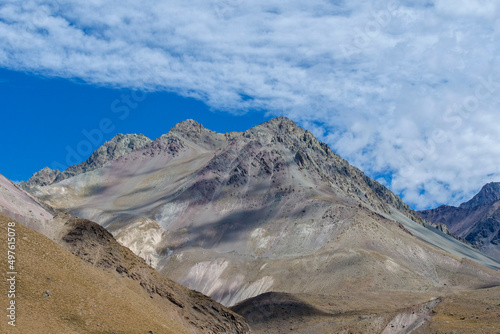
(273, 222)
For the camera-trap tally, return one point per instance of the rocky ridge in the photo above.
(118, 146)
(488, 195)
(93, 244)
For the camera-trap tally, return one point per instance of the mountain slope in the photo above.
(21, 206)
(239, 214)
(101, 287)
(83, 298)
(477, 220)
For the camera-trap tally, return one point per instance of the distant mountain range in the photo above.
(477, 220)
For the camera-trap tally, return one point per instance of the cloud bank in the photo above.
(406, 90)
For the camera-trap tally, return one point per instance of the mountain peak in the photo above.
(281, 124)
(195, 132)
(43, 177)
(131, 137)
(118, 146)
(489, 194)
(187, 125)
(273, 194)
(281, 120)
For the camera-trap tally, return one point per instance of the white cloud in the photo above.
(396, 87)
(480, 8)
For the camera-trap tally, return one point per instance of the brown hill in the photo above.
(56, 292)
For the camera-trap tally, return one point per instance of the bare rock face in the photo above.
(477, 220)
(195, 132)
(270, 209)
(109, 151)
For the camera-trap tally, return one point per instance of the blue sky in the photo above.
(407, 90)
(48, 119)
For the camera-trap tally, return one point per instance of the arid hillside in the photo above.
(476, 311)
(58, 292)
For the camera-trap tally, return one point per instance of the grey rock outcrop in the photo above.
(44, 177)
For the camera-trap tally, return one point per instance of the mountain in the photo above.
(79, 279)
(477, 220)
(236, 215)
(488, 195)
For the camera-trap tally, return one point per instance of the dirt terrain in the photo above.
(476, 311)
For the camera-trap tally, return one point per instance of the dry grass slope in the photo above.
(85, 298)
